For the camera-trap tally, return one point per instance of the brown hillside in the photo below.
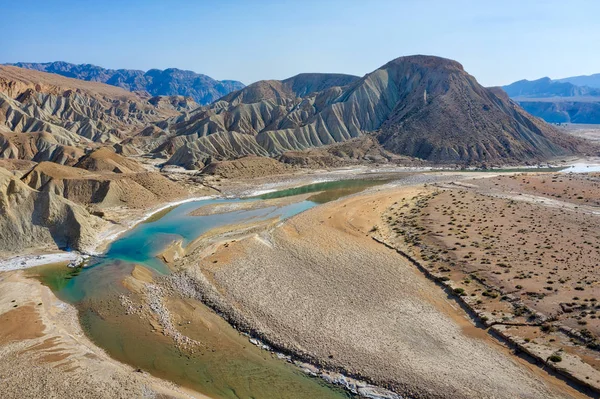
(106, 160)
(420, 106)
(104, 189)
(30, 218)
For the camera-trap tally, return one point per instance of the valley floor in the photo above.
(317, 286)
(321, 287)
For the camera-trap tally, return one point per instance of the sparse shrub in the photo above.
(555, 358)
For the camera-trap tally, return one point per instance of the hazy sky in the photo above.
(497, 41)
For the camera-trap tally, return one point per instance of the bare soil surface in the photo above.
(522, 251)
(585, 131)
(320, 287)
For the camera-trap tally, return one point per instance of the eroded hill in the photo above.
(421, 106)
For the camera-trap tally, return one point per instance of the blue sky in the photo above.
(496, 41)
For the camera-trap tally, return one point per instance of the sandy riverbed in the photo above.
(319, 286)
(45, 353)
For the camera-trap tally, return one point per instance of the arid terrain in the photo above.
(325, 259)
(323, 236)
(45, 353)
(508, 247)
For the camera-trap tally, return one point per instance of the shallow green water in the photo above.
(228, 366)
(331, 190)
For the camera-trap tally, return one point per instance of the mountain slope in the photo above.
(54, 110)
(30, 218)
(101, 191)
(421, 106)
(203, 89)
(583, 80)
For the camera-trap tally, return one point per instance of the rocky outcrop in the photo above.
(29, 218)
(169, 82)
(106, 160)
(102, 189)
(420, 106)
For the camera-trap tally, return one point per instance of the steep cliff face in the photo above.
(29, 218)
(169, 82)
(421, 106)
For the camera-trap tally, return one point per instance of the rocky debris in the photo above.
(154, 295)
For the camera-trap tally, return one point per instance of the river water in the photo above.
(226, 365)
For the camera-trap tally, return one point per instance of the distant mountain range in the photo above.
(546, 87)
(568, 100)
(203, 89)
(584, 80)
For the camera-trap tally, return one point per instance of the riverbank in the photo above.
(318, 287)
(45, 353)
(518, 253)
